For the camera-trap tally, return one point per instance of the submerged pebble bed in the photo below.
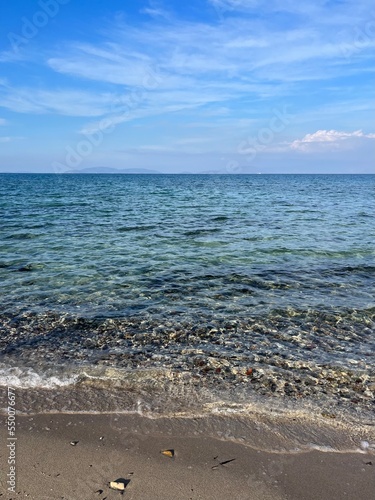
(293, 355)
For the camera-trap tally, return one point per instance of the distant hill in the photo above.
(109, 170)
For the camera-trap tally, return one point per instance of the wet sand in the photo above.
(108, 447)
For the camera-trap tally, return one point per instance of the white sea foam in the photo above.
(26, 378)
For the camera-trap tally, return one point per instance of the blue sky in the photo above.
(233, 86)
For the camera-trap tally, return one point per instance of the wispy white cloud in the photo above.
(7, 56)
(241, 5)
(247, 43)
(240, 49)
(109, 63)
(145, 108)
(330, 140)
(156, 9)
(155, 12)
(3, 121)
(59, 101)
(307, 9)
(179, 65)
(192, 145)
(192, 64)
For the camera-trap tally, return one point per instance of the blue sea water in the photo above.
(224, 277)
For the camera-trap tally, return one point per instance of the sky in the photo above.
(205, 86)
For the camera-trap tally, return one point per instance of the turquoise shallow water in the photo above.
(181, 272)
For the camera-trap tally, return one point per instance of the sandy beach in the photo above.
(74, 457)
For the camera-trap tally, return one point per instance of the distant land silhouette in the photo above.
(109, 170)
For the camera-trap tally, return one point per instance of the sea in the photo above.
(189, 294)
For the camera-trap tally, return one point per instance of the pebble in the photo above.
(168, 453)
(365, 445)
(119, 484)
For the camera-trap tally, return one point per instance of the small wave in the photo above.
(21, 236)
(124, 229)
(28, 268)
(199, 232)
(259, 423)
(27, 378)
(220, 218)
(349, 270)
